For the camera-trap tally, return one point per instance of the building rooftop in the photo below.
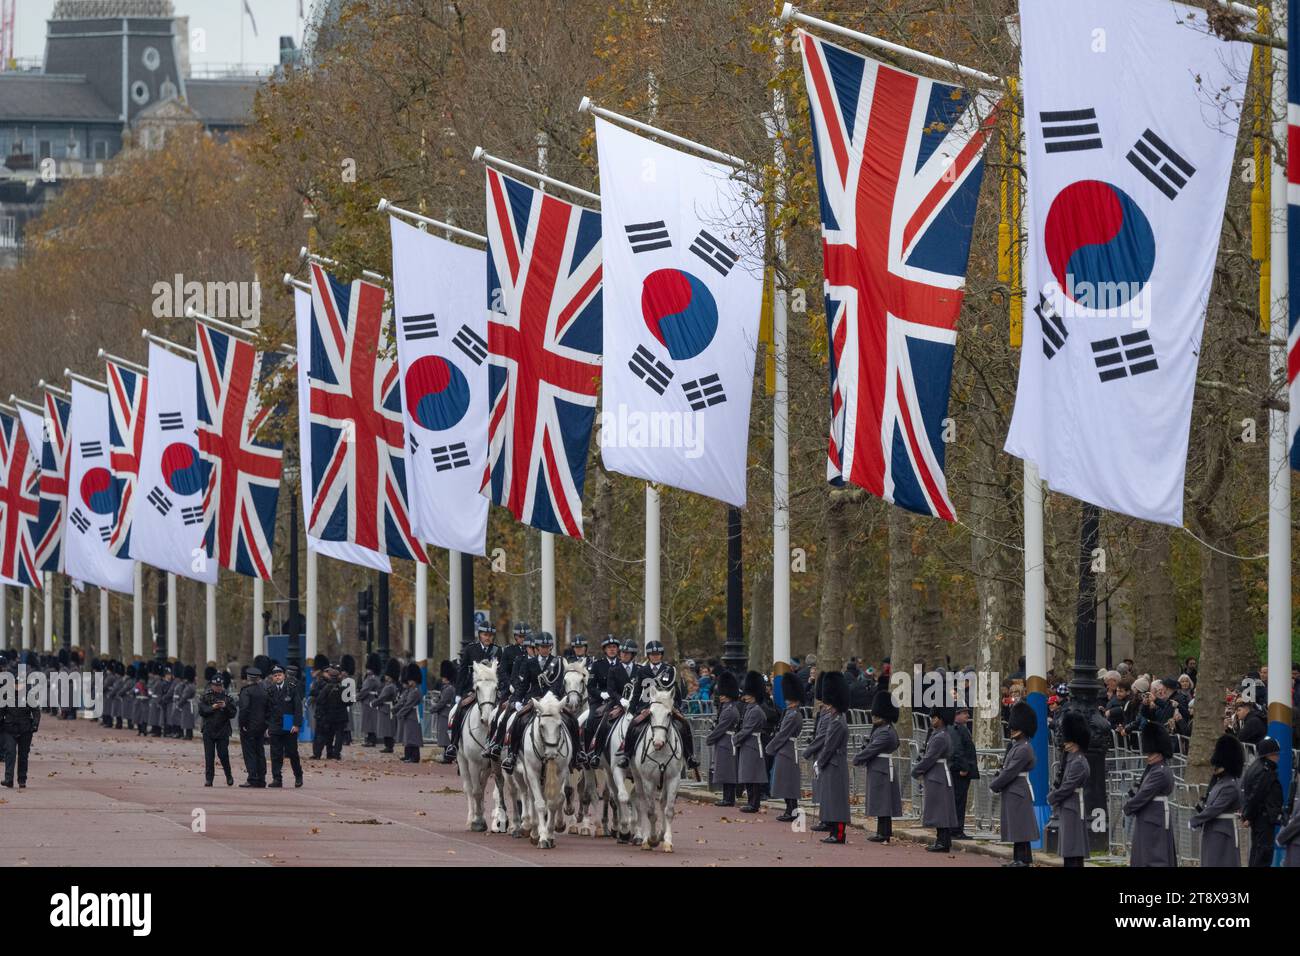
(47, 97)
(105, 9)
(222, 102)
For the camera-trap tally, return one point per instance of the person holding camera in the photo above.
(1262, 801)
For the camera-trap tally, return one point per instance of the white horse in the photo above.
(475, 767)
(577, 794)
(618, 782)
(657, 772)
(547, 749)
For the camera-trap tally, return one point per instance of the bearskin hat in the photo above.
(1022, 719)
(1074, 729)
(209, 672)
(727, 686)
(754, 686)
(263, 663)
(884, 707)
(412, 673)
(946, 714)
(393, 670)
(791, 688)
(835, 691)
(1156, 740)
(190, 673)
(372, 663)
(818, 684)
(1229, 755)
(448, 670)
(348, 664)
(320, 662)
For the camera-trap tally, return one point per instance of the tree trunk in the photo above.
(759, 638)
(830, 632)
(988, 562)
(1215, 669)
(1155, 614)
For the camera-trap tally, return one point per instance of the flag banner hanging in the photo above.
(899, 165)
(441, 328)
(1131, 114)
(244, 466)
(54, 483)
(1293, 225)
(358, 469)
(167, 520)
(93, 498)
(128, 392)
(683, 288)
(338, 550)
(20, 505)
(544, 335)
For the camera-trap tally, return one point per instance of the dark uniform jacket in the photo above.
(282, 700)
(17, 721)
(537, 676)
(252, 710)
(620, 676)
(476, 653)
(216, 722)
(330, 705)
(597, 681)
(1217, 821)
(512, 655)
(663, 676)
(1261, 793)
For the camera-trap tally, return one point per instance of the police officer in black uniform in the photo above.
(510, 692)
(481, 651)
(577, 651)
(658, 674)
(618, 682)
(217, 708)
(283, 721)
(597, 694)
(541, 674)
(252, 727)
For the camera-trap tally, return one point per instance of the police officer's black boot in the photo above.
(728, 796)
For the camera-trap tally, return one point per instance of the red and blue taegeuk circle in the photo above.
(184, 471)
(97, 491)
(1095, 233)
(437, 392)
(680, 312)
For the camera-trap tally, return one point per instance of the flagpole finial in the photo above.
(478, 154)
(788, 11)
(585, 105)
(288, 278)
(144, 333)
(100, 354)
(302, 255)
(383, 205)
(191, 312)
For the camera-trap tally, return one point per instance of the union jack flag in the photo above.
(244, 477)
(20, 505)
(1293, 224)
(358, 473)
(899, 168)
(544, 350)
(55, 453)
(128, 393)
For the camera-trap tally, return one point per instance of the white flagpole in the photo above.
(780, 402)
(1279, 486)
(210, 630)
(27, 618)
(137, 612)
(421, 611)
(310, 651)
(103, 622)
(548, 539)
(48, 636)
(170, 651)
(259, 608)
(455, 612)
(651, 562)
(1035, 583)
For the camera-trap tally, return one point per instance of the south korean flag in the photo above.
(682, 239)
(441, 330)
(93, 496)
(1131, 113)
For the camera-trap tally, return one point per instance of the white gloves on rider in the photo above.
(457, 699)
(623, 701)
(604, 695)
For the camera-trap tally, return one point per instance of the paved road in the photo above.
(99, 797)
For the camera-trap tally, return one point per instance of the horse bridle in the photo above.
(479, 704)
(647, 752)
(547, 745)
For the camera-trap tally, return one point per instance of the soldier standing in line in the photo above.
(217, 709)
(751, 770)
(1019, 823)
(1153, 837)
(939, 809)
(724, 754)
(446, 700)
(348, 681)
(1217, 816)
(283, 721)
(385, 724)
(184, 699)
(370, 687)
(252, 728)
(830, 756)
(407, 715)
(1067, 798)
(884, 794)
(787, 782)
(965, 767)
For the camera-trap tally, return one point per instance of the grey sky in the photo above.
(220, 19)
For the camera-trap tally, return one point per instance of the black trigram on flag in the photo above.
(1054, 331)
(415, 445)
(471, 343)
(647, 236)
(79, 520)
(1156, 160)
(171, 421)
(192, 514)
(160, 501)
(415, 327)
(712, 251)
(649, 369)
(704, 392)
(447, 457)
(1069, 131)
(106, 532)
(91, 449)
(1125, 356)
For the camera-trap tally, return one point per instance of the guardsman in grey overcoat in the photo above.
(143, 681)
(385, 724)
(158, 687)
(814, 745)
(723, 764)
(1019, 823)
(787, 783)
(938, 807)
(884, 795)
(366, 695)
(1216, 818)
(442, 706)
(831, 759)
(185, 703)
(407, 715)
(1153, 834)
(1288, 838)
(1066, 798)
(752, 769)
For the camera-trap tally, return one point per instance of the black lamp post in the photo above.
(733, 651)
(1086, 690)
(466, 599)
(295, 648)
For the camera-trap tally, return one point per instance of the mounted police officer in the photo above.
(577, 651)
(521, 635)
(655, 674)
(481, 651)
(543, 674)
(510, 692)
(597, 693)
(618, 685)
